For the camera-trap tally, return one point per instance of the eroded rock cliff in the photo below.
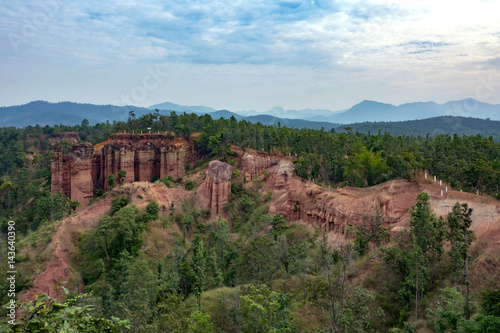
(333, 209)
(215, 191)
(143, 156)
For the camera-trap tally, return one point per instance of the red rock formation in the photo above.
(56, 169)
(215, 191)
(80, 170)
(332, 209)
(143, 157)
(253, 163)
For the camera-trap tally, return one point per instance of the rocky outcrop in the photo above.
(253, 163)
(57, 171)
(144, 157)
(333, 209)
(215, 191)
(80, 173)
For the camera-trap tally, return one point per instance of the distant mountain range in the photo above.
(376, 111)
(367, 116)
(66, 113)
(431, 126)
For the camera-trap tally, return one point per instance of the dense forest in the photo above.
(254, 272)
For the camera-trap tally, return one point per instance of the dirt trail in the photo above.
(62, 248)
(61, 264)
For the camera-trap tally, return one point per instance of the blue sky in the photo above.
(242, 55)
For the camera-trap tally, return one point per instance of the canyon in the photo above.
(145, 157)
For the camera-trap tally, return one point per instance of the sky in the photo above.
(249, 55)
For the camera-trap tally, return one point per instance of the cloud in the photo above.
(104, 44)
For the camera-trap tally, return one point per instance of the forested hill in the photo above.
(68, 113)
(432, 126)
(149, 254)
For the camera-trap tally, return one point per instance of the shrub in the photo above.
(118, 203)
(188, 185)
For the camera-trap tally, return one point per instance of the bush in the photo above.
(188, 185)
(118, 203)
(168, 181)
(152, 209)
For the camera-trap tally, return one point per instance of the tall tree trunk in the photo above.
(439, 271)
(416, 298)
(456, 269)
(467, 278)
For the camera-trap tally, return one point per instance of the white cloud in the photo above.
(265, 53)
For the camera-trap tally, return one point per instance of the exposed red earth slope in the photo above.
(61, 265)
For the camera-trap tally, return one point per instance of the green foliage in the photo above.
(278, 223)
(111, 181)
(188, 185)
(481, 324)
(367, 169)
(198, 267)
(118, 203)
(157, 295)
(358, 317)
(371, 230)
(168, 181)
(52, 207)
(122, 174)
(258, 261)
(152, 210)
(448, 313)
(45, 314)
(264, 311)
(174, 314)
(459, 235)
(491, 302)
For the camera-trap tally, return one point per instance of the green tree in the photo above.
(278, 223)
(198, 266)
(122, 174)
(152, 210)
(131, 118)
(371, 230)
(422, 223)
(174, 315)
(111, 181)
(368, 168)
(263, 310)
(45, 314)
(359, 317)
(74, 204)
(335, 266)
(460, 237)
(448, 312)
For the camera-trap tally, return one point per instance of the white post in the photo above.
(425, 175)
(434, 178)
(440, 182)
(441, 192)
(477, 192)
(446, 189)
